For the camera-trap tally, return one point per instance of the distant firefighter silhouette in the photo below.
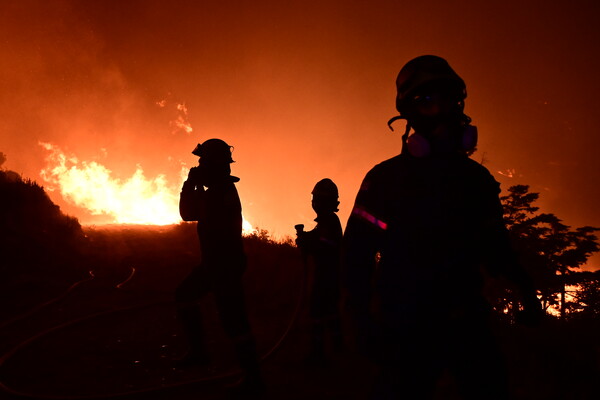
(323, 246)
(423, 225)
(223, 261)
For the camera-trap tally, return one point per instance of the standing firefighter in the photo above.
(323, 245)
(423, 224)
(223, 261)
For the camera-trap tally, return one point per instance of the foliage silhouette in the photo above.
(39, 245)
(31, 220)
(550, 250)
(585, 303)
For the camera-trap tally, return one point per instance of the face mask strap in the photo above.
(394, 119)
(406, 130)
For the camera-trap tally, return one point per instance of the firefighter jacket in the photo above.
(219, 214)
(419, 232)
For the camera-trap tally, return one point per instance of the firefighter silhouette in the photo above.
(210, 197)
(323, 246)
(422, 225)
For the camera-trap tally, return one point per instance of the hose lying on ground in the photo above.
(71, 323)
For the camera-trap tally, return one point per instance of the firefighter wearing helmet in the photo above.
(322, 246)
(422, 225)
(210, 197)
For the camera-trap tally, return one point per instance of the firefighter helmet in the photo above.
(214, 150)
(426, 70)
(325, 188)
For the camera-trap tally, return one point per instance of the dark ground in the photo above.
(101, 338)
(116, 333)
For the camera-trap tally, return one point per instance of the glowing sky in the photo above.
(302, 89)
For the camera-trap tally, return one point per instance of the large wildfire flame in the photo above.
(137, 200)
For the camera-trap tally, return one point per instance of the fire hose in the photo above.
(45, 304)
(6, 356)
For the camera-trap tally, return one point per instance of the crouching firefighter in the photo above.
(210, 197)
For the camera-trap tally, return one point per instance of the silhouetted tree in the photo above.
(586, 299)
(549, 249)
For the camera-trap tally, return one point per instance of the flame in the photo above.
(136, 200)
(247, 228)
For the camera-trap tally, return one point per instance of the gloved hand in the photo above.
(195, 175)
(195, 180)
(301, 239)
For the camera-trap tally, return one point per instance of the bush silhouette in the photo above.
(39, 245)
(34, 228)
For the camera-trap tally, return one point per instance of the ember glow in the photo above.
(136, 200)
(509, 173)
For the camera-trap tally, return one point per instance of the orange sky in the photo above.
(302, 91)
